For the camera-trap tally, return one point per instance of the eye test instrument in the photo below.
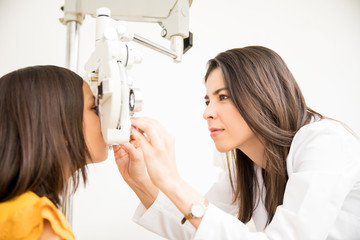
(106, 69)
(114, 54)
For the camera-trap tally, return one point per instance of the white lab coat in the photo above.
(321, 201)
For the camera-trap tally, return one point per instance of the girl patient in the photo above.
(49, 131)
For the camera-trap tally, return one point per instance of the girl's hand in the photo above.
(130, 161)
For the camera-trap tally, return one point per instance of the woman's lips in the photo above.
(215, 132)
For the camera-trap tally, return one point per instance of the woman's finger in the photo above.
(141, 140)
(129, 148)
(153, 130)
(135, 143)
(151, 122)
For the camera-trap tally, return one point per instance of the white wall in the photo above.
(320, 41)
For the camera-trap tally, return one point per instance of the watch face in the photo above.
(198, 210)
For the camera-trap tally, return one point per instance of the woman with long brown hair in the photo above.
(291, 170)
(49, 131)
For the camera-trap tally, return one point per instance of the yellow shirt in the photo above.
(23, 218)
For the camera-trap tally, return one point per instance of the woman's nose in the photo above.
(209, 112)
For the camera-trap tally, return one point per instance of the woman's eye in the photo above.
(207, 103)
(223, 97)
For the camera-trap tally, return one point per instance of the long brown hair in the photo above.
(270, 101)
(41, 132)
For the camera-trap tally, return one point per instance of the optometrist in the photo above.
(295, 172)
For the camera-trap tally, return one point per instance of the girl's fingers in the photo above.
(116, 148)
(120, 153)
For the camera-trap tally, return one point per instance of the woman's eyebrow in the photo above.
(216, 92)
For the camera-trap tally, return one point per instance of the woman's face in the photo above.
(92, 129)
(227, 127)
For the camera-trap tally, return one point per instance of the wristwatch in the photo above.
(197, 211)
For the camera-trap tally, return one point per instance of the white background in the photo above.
(319, 40)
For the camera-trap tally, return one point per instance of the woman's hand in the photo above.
(159, 151)
(159, 154)
(130, 161)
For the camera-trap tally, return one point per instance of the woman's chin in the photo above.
(222, 149)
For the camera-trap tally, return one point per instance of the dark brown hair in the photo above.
(268, 98)
(41, 132)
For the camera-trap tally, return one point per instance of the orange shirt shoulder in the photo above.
(23, 218)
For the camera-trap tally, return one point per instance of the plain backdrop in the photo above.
(319, 40)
